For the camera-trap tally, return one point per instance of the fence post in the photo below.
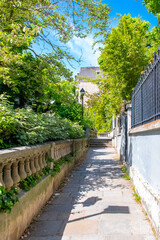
(142, 75)
(129, 118)
(133, 109)
(155, 84)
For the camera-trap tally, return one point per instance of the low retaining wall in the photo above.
(149, 198)
(144, 155)
(144, 162)
(13, 225)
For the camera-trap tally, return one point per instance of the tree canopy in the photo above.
(40, 89)
(153, 7)
(124, 56)
(24, 22)
(43, 81)
(126, 52)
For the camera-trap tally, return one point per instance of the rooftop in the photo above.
(91, 72)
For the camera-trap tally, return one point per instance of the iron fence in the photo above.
(146, 95)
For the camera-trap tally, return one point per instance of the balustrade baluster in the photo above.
(15, 175)
(1, 175)
(36, 163)
(40, 161)
(52, 150)
(61, 151)
(27, 167)
(22, 172)
(56, 153)
(7, 175)
(49, 164)
(44, 159)
(32, 167)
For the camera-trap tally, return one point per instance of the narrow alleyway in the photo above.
(95, 204)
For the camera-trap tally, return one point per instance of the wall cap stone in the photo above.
(10, 154)
(152, 126)
(128, 106)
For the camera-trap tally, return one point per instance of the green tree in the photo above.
(43, 81)
(24, 22)
(96, 110)
(153, 40)
(37, 81)
(153, 6)
(125, 54)
(72, 111)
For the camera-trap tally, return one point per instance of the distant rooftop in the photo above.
(91, 72)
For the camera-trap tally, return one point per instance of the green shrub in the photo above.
(7, 199)
(25, 127)
(29, 182)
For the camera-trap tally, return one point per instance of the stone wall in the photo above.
(20, 162)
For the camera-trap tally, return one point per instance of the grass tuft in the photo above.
(124, 169)
(136, 195)
(126, 176)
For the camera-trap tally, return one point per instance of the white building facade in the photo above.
(87, 74)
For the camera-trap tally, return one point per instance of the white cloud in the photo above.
(82, 48)
(79, 48)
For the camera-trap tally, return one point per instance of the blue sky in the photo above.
(82, 48)
(130, 6)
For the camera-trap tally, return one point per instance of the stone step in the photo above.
(109, 143)
(100, 146)
(100, 139)
(101, 142)
(104, 144)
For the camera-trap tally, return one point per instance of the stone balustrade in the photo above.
(62, 148)
(18, 163)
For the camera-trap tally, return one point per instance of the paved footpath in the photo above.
(95, 204)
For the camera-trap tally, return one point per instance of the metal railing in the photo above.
(146, 95)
